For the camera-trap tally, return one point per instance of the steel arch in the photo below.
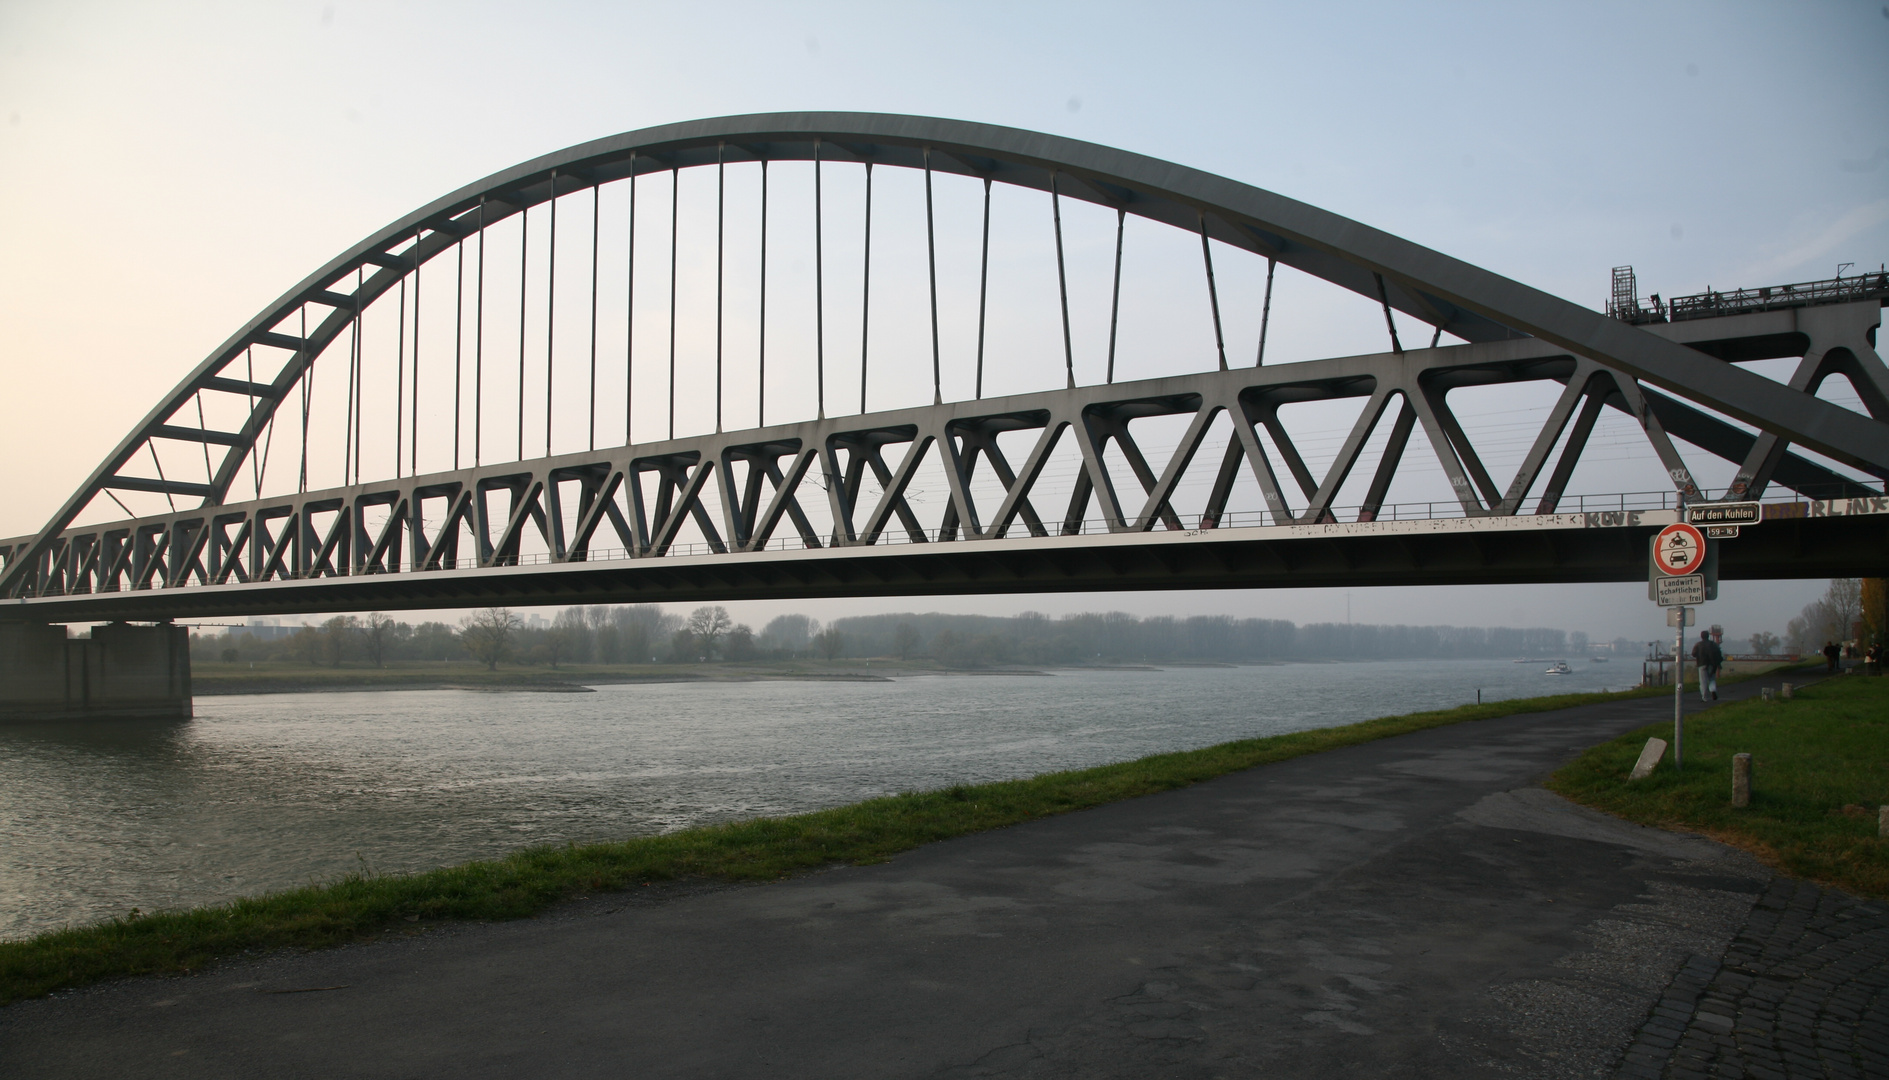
(1467, 301)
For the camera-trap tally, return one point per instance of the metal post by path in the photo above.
(1679, 691)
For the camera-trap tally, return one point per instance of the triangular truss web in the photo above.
(562, 369)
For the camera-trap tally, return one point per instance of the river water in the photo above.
(263, 792)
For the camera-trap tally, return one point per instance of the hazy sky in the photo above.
(171, 168)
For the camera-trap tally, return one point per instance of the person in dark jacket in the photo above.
(1831, 654)
(1709, 658)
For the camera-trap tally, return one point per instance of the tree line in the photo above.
(1035, 638)
(1850, 612)
(646, 633)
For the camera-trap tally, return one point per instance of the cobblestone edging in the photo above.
(1802, 992)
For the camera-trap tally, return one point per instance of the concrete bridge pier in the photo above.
(120, 671)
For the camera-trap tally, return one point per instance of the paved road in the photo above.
(1415, 907)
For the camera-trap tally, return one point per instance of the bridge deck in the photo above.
(1831, 538)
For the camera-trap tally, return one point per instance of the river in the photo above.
(264, 792)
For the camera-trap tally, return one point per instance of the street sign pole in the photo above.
(1679, 670)
(1679, 691)
(1682, 573)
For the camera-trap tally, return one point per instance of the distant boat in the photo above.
(1560, 668)
(1597, 659)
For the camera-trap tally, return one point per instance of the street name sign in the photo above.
(1733, 513)
(1679, 591)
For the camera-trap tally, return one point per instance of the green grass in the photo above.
(1812, 757)
(360, 907)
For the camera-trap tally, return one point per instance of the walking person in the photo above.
(1831, 653)
(1710, 658)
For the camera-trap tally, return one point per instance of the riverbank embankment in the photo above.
(362, 906)
(1412, 903)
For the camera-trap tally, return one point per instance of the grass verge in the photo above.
(1820, 769)
(360, 907)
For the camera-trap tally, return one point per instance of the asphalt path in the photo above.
(1413, 907)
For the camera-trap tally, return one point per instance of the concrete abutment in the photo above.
(122, 670)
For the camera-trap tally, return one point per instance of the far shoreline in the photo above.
(217, 680)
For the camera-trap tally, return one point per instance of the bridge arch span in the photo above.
(1597, 358)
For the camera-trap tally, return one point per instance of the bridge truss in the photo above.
(1178, 481)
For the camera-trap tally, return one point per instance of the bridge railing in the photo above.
(1244, 519)
(1713, 303)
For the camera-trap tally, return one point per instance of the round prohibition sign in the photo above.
(1679, 549)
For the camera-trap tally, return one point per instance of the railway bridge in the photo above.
(1037, 365)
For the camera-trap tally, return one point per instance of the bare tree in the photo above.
(1844, 604)
(1830, 617)
(375, 630)
(708, 624)
(569, 637)
(306, 644)
(790, 633)
(1764, 643)
(558, 644)
(684, 646)
(487, 635)
(905, 640)
(337, 638)
(740, 645)
(641, 629)
(606, 643)
(829, 642)
(1798, 632)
